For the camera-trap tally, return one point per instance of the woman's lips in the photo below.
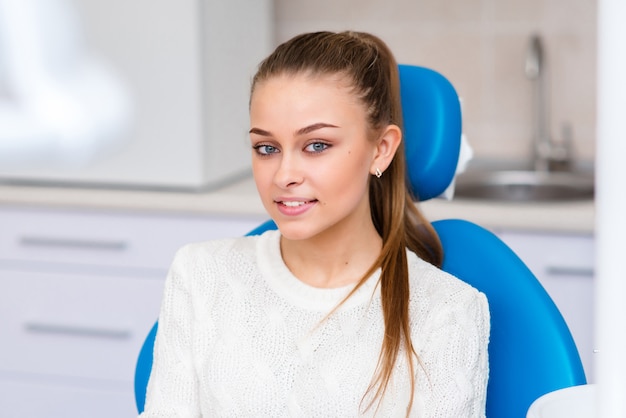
(294, 207)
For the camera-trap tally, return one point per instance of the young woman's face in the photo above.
(311, 155)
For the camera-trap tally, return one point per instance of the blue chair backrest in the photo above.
(430, 109)
(531, 351)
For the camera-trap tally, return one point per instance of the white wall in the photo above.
(611, 210)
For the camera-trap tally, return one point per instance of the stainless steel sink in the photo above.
(550, 174)
(525, 186)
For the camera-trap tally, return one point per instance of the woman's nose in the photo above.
(289, 172)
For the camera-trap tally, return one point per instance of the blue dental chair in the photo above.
(531, 350)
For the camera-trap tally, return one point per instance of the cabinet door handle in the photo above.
(77, 331)
(570, 271)
(70, 243)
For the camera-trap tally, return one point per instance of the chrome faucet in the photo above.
(548, 155)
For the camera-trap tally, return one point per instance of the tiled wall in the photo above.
(481, 45)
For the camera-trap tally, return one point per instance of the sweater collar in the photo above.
(280, 279)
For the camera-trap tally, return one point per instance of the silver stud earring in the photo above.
(378, 173)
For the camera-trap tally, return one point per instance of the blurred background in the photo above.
(140, 78)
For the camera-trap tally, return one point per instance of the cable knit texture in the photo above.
(240, 336)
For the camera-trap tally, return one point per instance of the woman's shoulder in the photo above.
(433, 287)
(444, 308)
(207, 267)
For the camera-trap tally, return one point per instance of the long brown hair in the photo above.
(369, 65)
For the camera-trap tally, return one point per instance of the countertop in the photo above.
(240, 199)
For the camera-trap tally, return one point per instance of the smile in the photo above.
(295, 207)
(293, 204)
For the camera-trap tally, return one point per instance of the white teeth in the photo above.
(293, 204)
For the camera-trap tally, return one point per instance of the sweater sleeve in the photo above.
(173, 386)
(455, 358)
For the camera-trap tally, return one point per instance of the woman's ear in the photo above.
(386, 148)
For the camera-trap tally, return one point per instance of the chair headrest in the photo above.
(432, 129)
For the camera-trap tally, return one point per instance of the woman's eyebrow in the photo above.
(314, 127)
(302, 131)
(259, 131)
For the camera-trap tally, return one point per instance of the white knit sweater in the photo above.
(240, 336)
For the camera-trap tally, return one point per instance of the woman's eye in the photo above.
(316, 147)
(265, 149)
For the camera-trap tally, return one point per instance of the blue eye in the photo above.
(265, 149)
(316, 147)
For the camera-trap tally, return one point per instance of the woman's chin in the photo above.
(292, 232)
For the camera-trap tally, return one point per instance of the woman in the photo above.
(341, 312)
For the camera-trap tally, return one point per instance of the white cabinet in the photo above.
(80, 291)
(564, 264)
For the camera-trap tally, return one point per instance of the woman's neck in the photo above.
(333, 259)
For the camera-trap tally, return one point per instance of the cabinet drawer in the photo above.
(552, 254)
(75, 326)
(104, 239)
(19, 399)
